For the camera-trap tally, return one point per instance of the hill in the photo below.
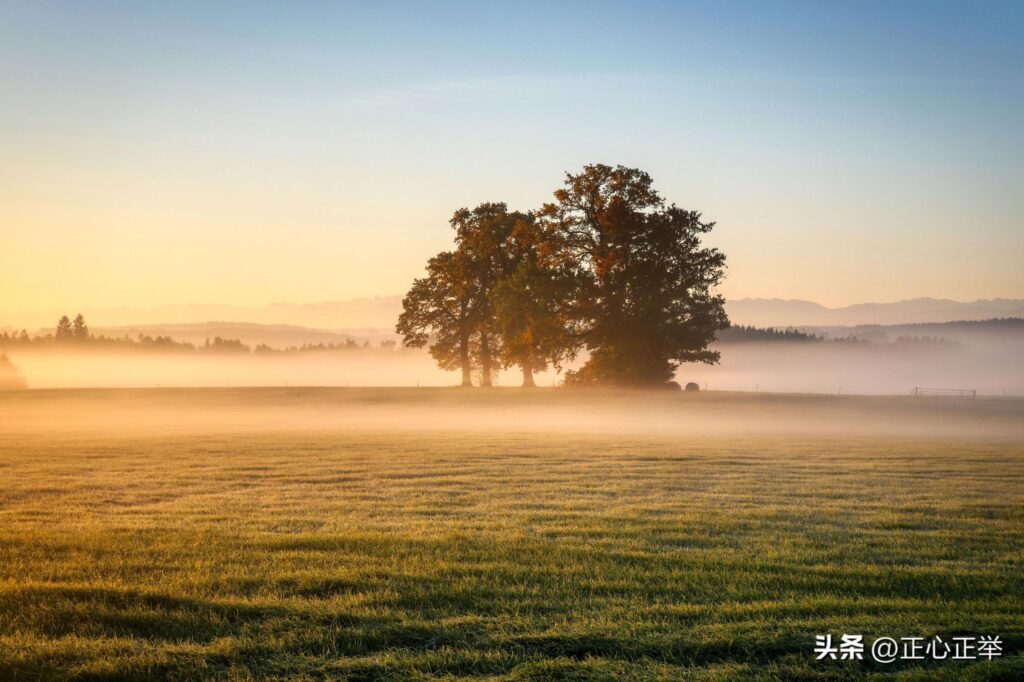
(774, 312)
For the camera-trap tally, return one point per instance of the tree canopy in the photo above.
(439, 310)
(63, 331)
(481, 235)
(608, 266)
(79, 329)
(530, 303)
(645, 298)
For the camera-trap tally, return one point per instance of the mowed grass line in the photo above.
(369, 556)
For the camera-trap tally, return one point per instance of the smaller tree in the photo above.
(438, 310)
(79, 329)
(482, 235)
(64, 331)
(529, 304)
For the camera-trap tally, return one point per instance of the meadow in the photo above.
(441, 533)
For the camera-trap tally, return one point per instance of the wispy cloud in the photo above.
(605, 84)
(519, 86)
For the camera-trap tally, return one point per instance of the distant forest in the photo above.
(994, 324)
(918, 332)
(741, 333)
(74, 334)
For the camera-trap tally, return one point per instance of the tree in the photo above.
(529, 304)
(644, 299)
(64, 331)
(481, 236)
(439, 310)
(79, 330)
(455, 304)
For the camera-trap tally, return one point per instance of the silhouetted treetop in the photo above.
(645, 299)
(741, 333)
(63, 331)
(79, 330)
(608, 265)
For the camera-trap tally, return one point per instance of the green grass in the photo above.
(298, 552)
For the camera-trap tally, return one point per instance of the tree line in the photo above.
(76, 333)
(608, 267)
(747, 333)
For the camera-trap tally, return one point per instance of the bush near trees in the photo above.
(10, 377)
(608, 266)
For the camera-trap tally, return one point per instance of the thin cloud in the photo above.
(523, 85)
(604, 84)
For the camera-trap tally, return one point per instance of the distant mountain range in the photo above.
(372, 316)
(775, 312)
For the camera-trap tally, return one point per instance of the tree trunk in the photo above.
(485, 359)
(527, 374)
(467, 374)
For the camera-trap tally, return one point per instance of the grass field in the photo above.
(440, 533)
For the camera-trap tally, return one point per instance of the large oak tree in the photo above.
(645, 298)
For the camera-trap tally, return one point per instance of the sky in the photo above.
(247, 153)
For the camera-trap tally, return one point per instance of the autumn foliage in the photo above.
(608, 267)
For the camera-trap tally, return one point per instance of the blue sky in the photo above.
(248, 152)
